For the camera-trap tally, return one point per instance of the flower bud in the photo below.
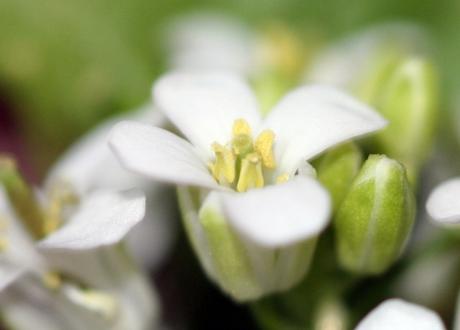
(243, 269)
(337, 169)
(406, 93)
(375, 219)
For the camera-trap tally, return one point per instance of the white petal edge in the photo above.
(279, 215)
(443, 204)
(313, 118)
(103, 218)
(159, 155)
(397, 314)
(204, 106)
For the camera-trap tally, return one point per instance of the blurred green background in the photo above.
(67, 64)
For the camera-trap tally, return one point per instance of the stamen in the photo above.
(3, 244)
(223, 168)
(264, 146)
(282, 178)
(52, 280)
(251, 175)
(242, 145)
(99, 302)
(241, 127)
(61, 196)
(3, 239)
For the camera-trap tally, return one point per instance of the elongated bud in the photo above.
(242, 269)
(375, 219)
(337, 169)
(407, 96)
(21, 197)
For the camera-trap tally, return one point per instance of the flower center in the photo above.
(241, 163)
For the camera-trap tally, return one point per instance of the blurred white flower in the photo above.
(218, 113)
(346, 62)
(89, 165)
(76, 277)
(209, 41)
(443, 204)
(397, 314)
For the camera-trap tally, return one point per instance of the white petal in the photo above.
(279, 215)
(208, 41)
(443, 205)
(103, 218)
(396, 314)
(159, 154)
(9, 273)
(314, 118)
(90, 164)
(204, 106)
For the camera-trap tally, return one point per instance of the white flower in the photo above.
(210, 41)
(345, 63)
(396, 314)
(205, 108)
(443, 204)
(74, 278)
(89, 166)
(275, 226)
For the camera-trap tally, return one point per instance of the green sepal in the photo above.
(375, 219)
(243, 269)
(337, 169)
(228, 254)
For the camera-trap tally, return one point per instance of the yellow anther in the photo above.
(53, 217)
(264, 147)
(241, 127)
(282, 178)
(223, 169)
(251, 175)
(61, 196)
(52, 280)
(3, 244)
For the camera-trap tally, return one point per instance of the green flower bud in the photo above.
(337, 169)
(242, 269)
(406, 93)
(375, 219)
(21, 197)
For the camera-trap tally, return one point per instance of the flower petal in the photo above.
(314, 118)
(9, 273)
(104, 218)
(443, 205)
(90, 164)
(279, 215)
(204, 106)
(159, 154)
(396, 314)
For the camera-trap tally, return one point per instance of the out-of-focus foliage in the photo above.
(66, 64)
